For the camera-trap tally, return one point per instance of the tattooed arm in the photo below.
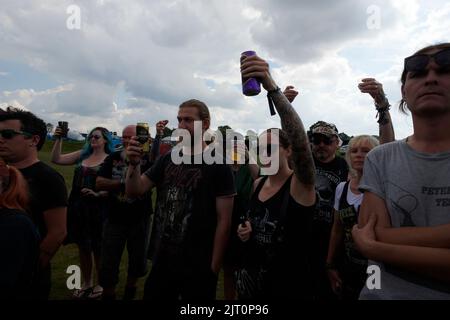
(302, 188)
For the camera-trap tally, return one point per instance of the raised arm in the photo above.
(135, 183)
(154, 152)
(375, 89)
(303, 165)
(63, 159)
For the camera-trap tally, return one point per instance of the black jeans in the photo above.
(42, 283)
(170, 280)
(115, 236)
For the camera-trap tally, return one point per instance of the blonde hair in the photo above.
(356, 141)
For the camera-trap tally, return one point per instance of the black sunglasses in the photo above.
(95, 136)
(419, 62)
(10, 133)
(316, 140)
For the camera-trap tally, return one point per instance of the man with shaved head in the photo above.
(127, 220)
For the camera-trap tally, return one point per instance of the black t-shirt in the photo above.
(121, 209)
(185, 217)
(47, 191)
(328, 176)
(19, 252)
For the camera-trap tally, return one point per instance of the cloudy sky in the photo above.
(121, 62)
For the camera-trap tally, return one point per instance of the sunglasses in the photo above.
(10, 133)
(419, 62)
(316, 140)
(95, 136)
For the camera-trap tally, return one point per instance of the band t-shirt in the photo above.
(185, 217)
(328, 176)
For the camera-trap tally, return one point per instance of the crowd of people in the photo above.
(308, 231)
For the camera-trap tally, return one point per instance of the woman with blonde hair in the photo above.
(19, 239)
(347, 270)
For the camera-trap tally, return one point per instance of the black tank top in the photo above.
(348, 217)
(280, 241)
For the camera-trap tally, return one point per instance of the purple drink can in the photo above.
(250, 86)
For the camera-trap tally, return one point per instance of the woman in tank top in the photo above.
(85, 209)
(347, 269)
(276, 233)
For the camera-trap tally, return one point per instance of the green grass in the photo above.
(68, 255)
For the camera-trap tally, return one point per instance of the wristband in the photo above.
(269, 99)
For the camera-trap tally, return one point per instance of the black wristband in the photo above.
(269, 99)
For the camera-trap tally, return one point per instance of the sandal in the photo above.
(81, 293)
(95, 293)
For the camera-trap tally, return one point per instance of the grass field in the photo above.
(68, 255)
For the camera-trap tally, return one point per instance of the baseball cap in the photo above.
(325, 128)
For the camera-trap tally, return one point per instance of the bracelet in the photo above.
(381, 111)
(330, 266)
(383, 106)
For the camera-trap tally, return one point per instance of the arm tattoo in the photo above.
(301, 152)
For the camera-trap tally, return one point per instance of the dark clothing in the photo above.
(116, 236)
(127, 224)
(85, 215)
(120, 209)
(170, 281)
(47, 191)
(353, 266)
(244, 184)
(19, 249)
(328, 176)
(185, 218)
(276, 264)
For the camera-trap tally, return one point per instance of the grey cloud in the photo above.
(299, 31)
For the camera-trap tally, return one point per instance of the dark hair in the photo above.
(403, 106)
(28, 123)
(87, 148)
